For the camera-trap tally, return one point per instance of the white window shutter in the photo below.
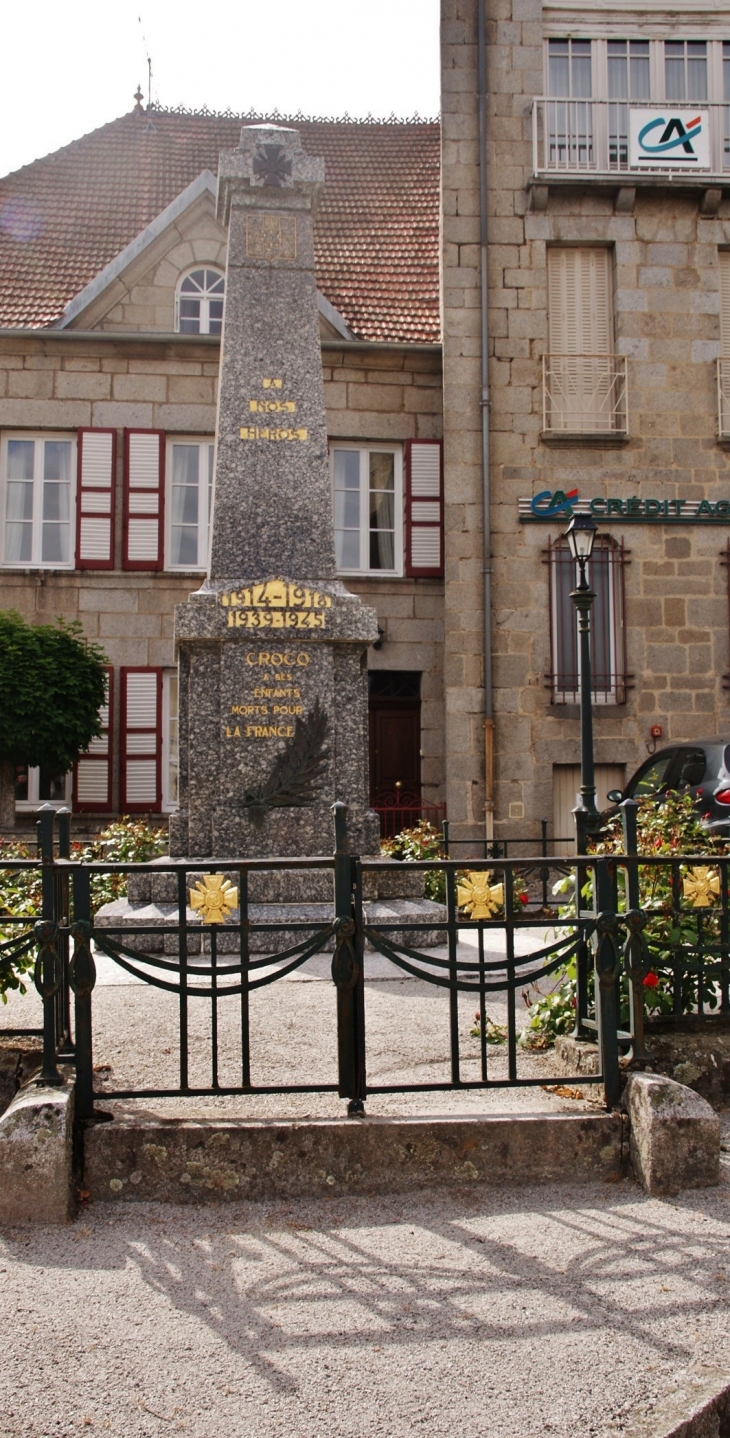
(724, 258)
(141, 741)
(579, 301)
(95, 499)
(92, 779)
(424, 509)
(144, 492)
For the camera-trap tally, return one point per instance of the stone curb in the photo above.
(36, 1150)
(180, 1161)
(699, 1407)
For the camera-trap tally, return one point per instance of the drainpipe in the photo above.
(484, 405)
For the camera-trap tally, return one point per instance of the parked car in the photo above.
(702, 768)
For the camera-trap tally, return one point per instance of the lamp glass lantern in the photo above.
(580, 535)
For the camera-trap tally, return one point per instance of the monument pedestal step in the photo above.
(164, 917)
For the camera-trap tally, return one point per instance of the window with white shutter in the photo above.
(92, 784)
(585, 383)
(141, 745)
(144, 476)
(424, 509)
(96, 450)
(724, 259)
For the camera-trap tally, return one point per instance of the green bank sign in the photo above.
(552, 505)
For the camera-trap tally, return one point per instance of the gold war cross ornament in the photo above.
(213, 898)
(480, 898)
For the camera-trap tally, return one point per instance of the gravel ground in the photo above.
(500, 1315)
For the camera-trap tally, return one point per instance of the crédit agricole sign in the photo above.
(552, 505)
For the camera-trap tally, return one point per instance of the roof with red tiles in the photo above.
(66, 216)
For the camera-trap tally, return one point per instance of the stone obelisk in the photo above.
(273, 701)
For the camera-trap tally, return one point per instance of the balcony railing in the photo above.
(723, 399)
(585, 394)
(591, 137)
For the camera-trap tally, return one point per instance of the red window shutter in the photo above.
(141, 744)
(95, 498)
(424, 509)
(92, 780)
(144, 496)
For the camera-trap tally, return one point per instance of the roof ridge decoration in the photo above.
(203, 112)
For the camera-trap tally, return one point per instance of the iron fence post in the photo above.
(607, 969)
(47, 979)
(82, 978)
(347, 974)
(62, 895)
(445, 837)
(635, 950)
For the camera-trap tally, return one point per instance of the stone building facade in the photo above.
(606, 315)
(607, 310)
(120, 356)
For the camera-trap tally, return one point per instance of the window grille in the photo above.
(609, 678)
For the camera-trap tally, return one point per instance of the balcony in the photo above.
(723, 400)
(585, 397)
(591, 138)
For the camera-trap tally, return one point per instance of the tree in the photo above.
(52, 686)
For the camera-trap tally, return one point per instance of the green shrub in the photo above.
(669, 828)
(126, 841)
(423, 841)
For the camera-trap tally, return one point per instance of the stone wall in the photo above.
(666, 319)
(62, 382)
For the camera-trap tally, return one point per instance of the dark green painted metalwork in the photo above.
(214, 964)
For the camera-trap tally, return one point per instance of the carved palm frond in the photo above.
(296, 769)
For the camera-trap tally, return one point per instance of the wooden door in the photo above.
(395, 750)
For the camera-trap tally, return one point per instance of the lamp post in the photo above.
(580, 536)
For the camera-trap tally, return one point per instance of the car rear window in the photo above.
(653, 778)
(692, 766)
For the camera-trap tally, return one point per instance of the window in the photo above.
(38, 495)
(569, 68)
(608, 649)
(170, 751)
(34, 786)
(584, 382)
(628, 79)
(190, 469)
(368, 509)
(685, 70)
(570, 120)
(199, 303)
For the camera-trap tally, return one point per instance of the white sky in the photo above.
(72, 65)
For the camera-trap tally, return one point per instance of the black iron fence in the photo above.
(624, 920)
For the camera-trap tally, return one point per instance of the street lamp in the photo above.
(580, 536)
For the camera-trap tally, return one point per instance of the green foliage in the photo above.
(20, 897)
(420, 842)
(52, 686)
(495, 1033)
(126, 841)
(668, 828)
(553, 1014)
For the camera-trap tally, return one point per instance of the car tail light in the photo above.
(723, 797)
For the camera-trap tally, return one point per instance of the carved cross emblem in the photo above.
(271, 165)
(213, 898)
(480, 898)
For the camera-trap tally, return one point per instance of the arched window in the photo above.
(199, 303)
